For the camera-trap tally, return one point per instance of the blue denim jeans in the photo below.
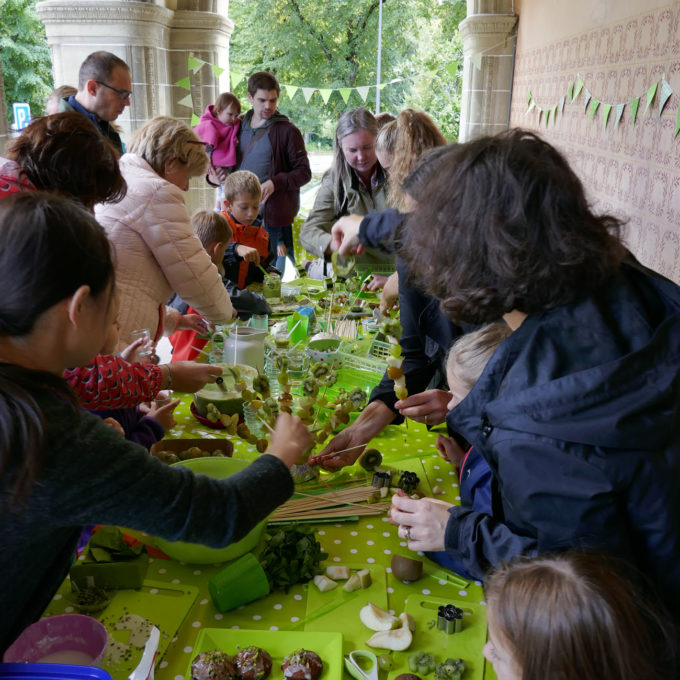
(282, 235)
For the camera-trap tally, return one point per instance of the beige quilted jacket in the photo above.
(157, 254)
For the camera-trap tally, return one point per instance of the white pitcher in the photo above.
(245, 345)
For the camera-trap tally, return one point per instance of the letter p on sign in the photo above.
(22, 115)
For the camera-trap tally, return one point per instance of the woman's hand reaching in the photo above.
(421, 522)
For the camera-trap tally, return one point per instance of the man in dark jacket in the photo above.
(273, 148)
(104, 90)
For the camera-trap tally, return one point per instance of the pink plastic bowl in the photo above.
(59, 634)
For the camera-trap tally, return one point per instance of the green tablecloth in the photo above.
(370, 540)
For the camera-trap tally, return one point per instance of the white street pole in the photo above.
(377, 89)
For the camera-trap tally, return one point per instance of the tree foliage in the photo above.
(25, 55)
(334, 45)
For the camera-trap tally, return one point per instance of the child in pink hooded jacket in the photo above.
(219, 128)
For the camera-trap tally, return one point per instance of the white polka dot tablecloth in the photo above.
(370, 540)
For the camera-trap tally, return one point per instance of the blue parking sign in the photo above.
(22, 115)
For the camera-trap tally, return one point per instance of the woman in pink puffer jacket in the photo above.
(157, 253)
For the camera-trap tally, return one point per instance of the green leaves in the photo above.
(24, 55)
(291, 555)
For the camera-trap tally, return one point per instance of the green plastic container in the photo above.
(194, 553)
(239, 583)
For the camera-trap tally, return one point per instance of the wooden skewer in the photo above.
(330, 454)
(202, 351)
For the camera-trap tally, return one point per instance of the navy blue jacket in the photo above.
(427, 334)
(577, 414)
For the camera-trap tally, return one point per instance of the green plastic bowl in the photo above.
(194, 553)
(225, 398)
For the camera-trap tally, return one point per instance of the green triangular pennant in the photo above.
(634, 109)
(363, 91)
(452, 68)
(606, 110)
(650, 95)
(677, 123)
(532, 103)
(381, 86)
(619, 113)
(664, 95)
(186, 101)
(593, 107)
(308, 92)
(554, 113)
(540, 113)
(195, 120)
(194, 64)
(562, 101)
(579, 87)
(291, 90)
(217, 70)
(529, 97)
(344, 93)
(570, 92)
(547, 116)
(185, 83)
(325, 94)
(236, 77)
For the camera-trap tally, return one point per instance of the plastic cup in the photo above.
(239, 583)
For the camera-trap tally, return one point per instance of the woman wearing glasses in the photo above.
(104, 90)
(157, 252)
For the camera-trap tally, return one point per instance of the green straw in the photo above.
(264, 271)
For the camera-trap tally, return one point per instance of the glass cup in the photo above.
(146, 348)
(259, 321)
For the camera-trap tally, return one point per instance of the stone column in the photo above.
(155, 38)
(489, 36)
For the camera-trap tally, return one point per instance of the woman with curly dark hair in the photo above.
(65, 154)
(577, 412)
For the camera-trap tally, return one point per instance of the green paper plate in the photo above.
(279, 643)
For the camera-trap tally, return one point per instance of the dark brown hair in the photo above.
(507, 226)
(49, 247)
(65, 153)
(99, 66)
(224, 100)
(576, 617)
(263, 80)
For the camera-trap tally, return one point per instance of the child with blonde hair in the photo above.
(215, 233)
(250, 250)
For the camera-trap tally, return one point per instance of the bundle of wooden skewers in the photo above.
(334, 503)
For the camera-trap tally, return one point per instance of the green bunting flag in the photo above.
(195, 64)
(606, 110)
(325, 94)
(236, 77)
(634, 109)
(195, 120)
(217, 70)
(291, 90)
(540, 113)
(593, 107)
(186, 101)
(345, 93)
(363, 92)
(570, 92)
(529, 97)
(532, 103)
(577, 91)
(677, 123)
(452, 68)
(308, 92)
(185, 83)
(562, 101)
(650, 95)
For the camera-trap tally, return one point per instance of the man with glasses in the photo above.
(104, 90)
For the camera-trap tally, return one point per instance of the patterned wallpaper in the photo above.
(633, 172)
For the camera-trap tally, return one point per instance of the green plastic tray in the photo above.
(466, 645)
(279, 643)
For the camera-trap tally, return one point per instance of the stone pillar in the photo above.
(489, 29)
(155, 38)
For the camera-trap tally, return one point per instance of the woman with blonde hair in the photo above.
(157, 252)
